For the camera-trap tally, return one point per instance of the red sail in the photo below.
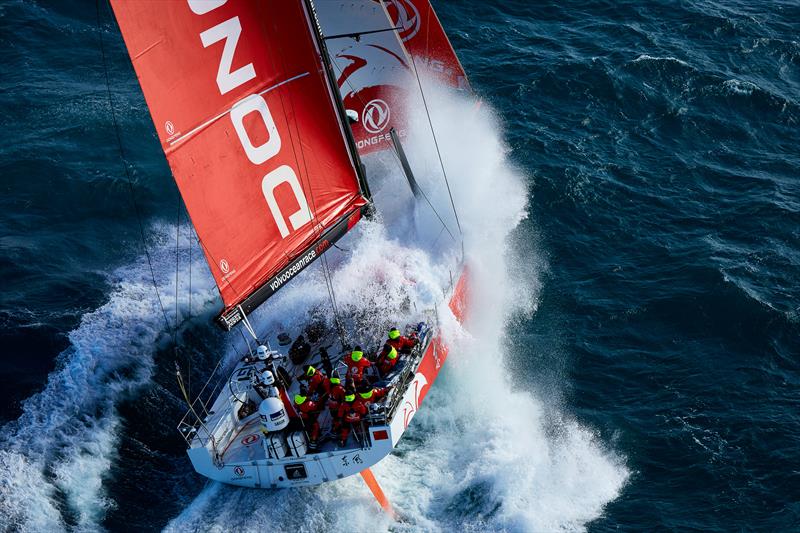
(426, 40)
(373, 71)
(245, 112)
(372, 64)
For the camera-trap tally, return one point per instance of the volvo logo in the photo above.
(406, 16)
(375, 116)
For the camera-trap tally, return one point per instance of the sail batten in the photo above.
(174, 142)
(240, 95)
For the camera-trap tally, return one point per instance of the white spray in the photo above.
(479, 455)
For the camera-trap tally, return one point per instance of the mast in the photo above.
(316, 30)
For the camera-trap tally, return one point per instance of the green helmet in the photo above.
(394, 333)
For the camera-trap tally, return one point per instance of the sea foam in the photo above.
(55, 457)
(480, 454)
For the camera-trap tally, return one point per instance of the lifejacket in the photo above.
(373, 395)
(356, 364)
(315, 379)
(400, 343)
(388, 358)
(335, 392)
(307, 407)
(351, 409)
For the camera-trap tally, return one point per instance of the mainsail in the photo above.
(243, 103)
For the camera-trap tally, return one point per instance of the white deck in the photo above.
(233, 451)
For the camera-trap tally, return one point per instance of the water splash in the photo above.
(479, 455)
(53, 458)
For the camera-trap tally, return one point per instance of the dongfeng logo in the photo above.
(238, 470)
(375, 116)
(170, 127)
(406, 16)
(224, 266)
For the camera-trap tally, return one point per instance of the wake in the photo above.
(54, 458)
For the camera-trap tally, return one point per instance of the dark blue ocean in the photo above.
(659, 359)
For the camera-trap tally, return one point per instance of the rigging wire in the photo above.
(336, 316)
(191, 246)
(436, 144)
(127, 171)
(428, 201)
(177, 269)
(318, 230)
(399, 162)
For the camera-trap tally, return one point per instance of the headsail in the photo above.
(372, 68)
(425, 38)
(375, 47)
(253, 132)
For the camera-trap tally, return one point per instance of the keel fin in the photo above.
(376, 490)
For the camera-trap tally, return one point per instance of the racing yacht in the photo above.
(275, 118)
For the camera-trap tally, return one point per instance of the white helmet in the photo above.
(267, 378)
(262, 353)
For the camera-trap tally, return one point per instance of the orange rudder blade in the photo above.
(372, 483)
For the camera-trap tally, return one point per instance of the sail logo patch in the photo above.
(405, 15)
(250, 439)
(375, 116)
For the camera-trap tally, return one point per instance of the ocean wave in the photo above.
(644, 58)
(55, 457)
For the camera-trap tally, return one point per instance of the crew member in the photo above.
(350, 412)
(314, 377)
(368, 394)
(335, 392)
(402, 344)
(357, 364)
(387, 359)
(309, 412)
